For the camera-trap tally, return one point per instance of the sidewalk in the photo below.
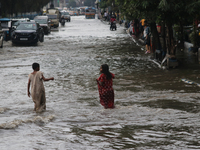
(157, 56)
(169, 61)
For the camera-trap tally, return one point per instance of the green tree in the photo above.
(167, 12)
(10, 7)
(89, 3)
(72, 3)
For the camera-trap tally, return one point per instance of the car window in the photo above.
(4, 24)
(52, 16)
(41, 21)
(65, 13)
(27, 26)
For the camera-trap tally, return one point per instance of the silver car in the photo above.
(44, 23)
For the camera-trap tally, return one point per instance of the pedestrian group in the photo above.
(36, 78)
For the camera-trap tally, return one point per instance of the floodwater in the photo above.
(154, 108)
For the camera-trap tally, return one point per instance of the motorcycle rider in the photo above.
(112, 19)
(62, 20)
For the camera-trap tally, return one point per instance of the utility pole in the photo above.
(58, 2)
(51, 5)
(0, 10)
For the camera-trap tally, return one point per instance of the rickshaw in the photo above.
(6, 27)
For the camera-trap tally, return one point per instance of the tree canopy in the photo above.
(72, 3)
(21, 6)
(169, 12)
(89, 3)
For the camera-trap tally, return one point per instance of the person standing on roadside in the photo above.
(35, 79)
(146, 35)
(105, 83)
(142, 22)
(105, 15)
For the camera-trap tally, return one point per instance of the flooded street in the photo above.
(154, 108)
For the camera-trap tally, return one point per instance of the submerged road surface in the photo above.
(154, 108)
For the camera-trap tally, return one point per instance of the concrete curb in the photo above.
(143, 48)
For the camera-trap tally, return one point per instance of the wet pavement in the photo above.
(154, 108)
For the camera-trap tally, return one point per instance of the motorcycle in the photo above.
(113, 26)
(63, 22)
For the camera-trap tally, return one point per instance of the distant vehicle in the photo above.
(1, 37)
(54, 16)
(65, 8)
(62, 21)
(27, 33)
(74, 12)
(44, 23)
(66, 15)
(82, 11)
(90, 13)
(6, 27)
(113, 26)
(16, 21)
(71, 13)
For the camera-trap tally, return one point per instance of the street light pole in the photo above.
(0, 9)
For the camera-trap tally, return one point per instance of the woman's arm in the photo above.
(99, 82)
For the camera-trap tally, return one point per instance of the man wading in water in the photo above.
(35, 79)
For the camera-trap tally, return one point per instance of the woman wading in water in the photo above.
(105, 83)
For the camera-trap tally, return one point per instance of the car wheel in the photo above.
(42, 39)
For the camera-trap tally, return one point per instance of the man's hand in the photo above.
(29, 94)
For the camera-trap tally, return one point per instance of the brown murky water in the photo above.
(154, 108)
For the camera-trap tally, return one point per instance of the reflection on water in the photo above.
(154, 108)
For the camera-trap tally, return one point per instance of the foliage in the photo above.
(72, 3)
(194, 37)
(89, 3)
(21, 6)
(180, 12)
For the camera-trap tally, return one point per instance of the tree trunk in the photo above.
(170, 40)
(163, 36)
(181, 45)
(156, 39)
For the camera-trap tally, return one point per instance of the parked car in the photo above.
(27, 32)
(66, 15)
(44, 23)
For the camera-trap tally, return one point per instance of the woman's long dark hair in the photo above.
(105, 70)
